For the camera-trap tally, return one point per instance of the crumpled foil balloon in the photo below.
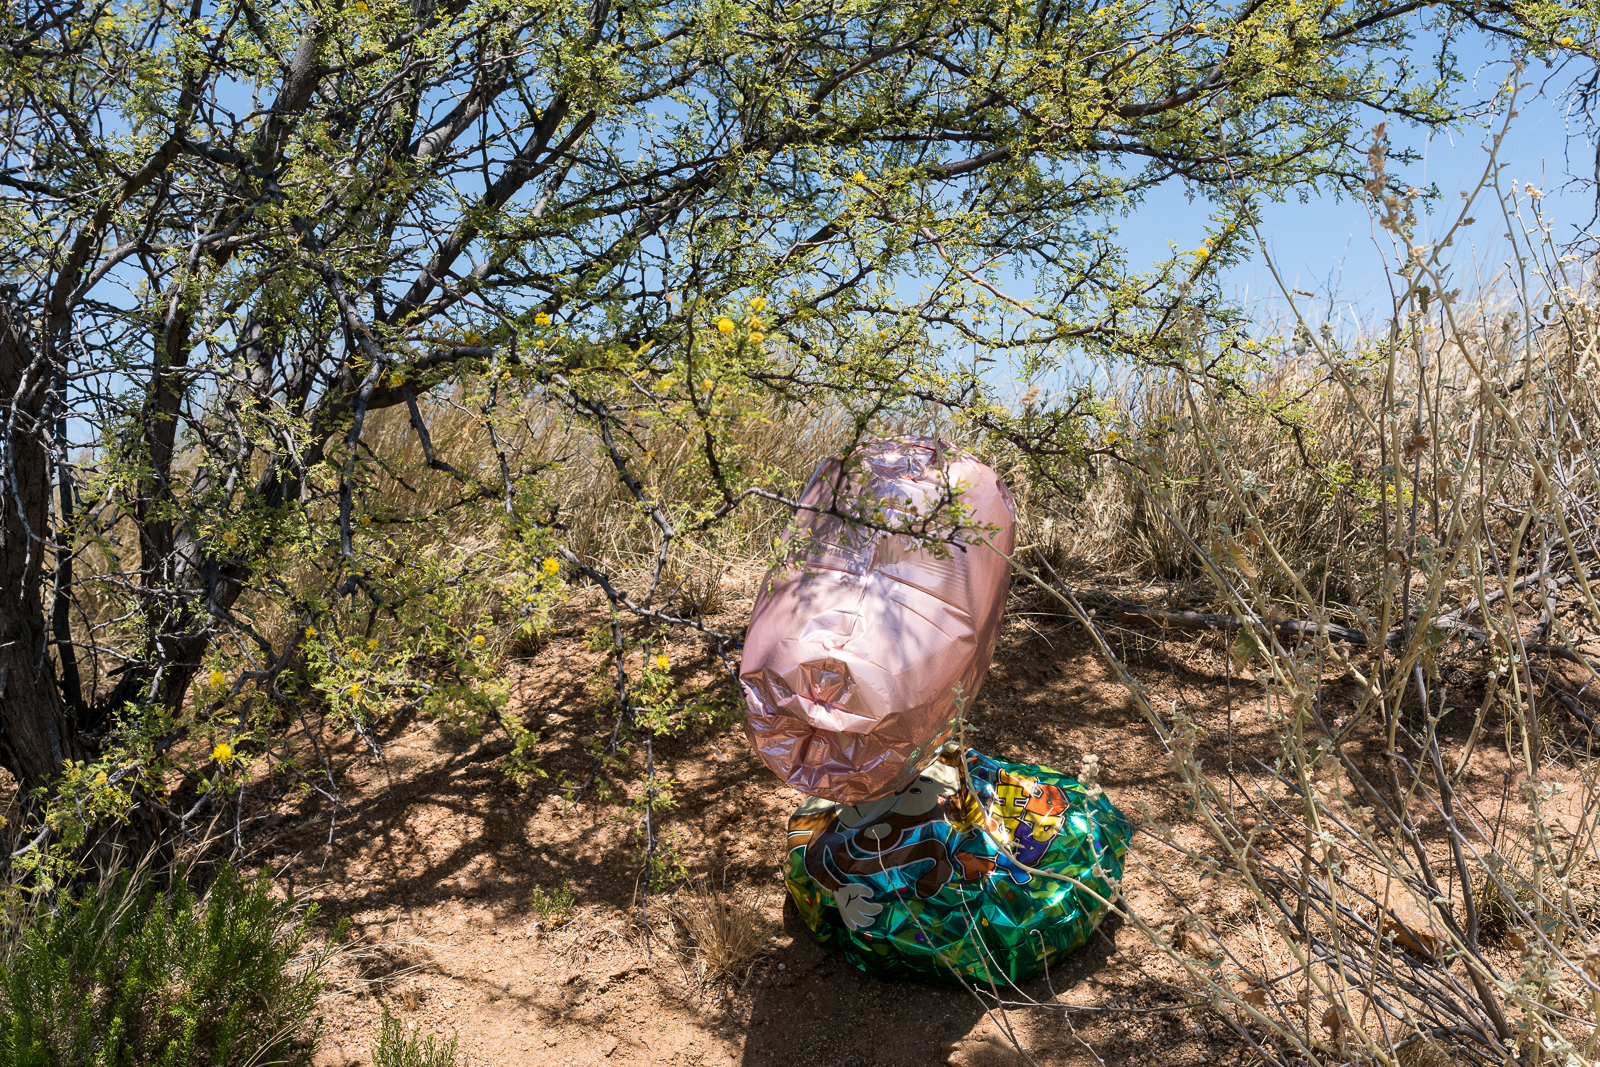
(917, 885)
(860, 640)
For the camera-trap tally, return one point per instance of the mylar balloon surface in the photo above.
(917, 884)
(861, 640)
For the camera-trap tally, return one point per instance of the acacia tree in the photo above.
(233, 231)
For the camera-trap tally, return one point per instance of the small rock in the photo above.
(981, 1051)
(1412, 925)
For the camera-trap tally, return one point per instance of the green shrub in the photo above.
(126, 975)
(395, 1049)
(555, 905)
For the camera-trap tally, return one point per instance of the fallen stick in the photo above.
(1124, 611)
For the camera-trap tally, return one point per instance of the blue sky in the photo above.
(1327, 244)
(1330, 246)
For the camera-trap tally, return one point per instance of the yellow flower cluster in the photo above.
(223, 752)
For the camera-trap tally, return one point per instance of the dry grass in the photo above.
(1285, 442)
(602, 522)
(1435, 487)
(725, 935)
(1425, 1053)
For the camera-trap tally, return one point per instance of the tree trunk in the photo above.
(37, 733)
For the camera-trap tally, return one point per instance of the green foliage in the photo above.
(127, 975)
(342, 405)
(394, 1048)
(553, 905)
(666, 863)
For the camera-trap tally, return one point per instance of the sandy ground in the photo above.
(445, 868)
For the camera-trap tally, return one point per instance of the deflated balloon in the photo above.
(988, 876)
(861, 640)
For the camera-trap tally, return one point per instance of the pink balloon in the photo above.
(860, 639)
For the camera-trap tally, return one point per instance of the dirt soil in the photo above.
(447, 871)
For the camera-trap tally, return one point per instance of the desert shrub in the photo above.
(1420, 653)
(624, 387)
(396, 1048)
(553, 906)
(127, 974)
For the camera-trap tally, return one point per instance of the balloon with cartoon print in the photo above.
(978, 870)
(861, 651)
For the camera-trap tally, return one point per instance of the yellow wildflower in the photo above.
(725, 325)
(541, 319)
(372, 644)
(218, 678)
(858, 176)
(100, 779)
(223, 752)
(551, 566)
(477, 640)
(530, 598)
(311, 631)
(756, 337)
(662, 663)
(355, 690)
(1566, 42)
(759, 303)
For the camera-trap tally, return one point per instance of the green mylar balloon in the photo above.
(918, 885)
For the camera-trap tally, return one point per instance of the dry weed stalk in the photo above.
(726, 934)
(1457, 453)
(1400, 536)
